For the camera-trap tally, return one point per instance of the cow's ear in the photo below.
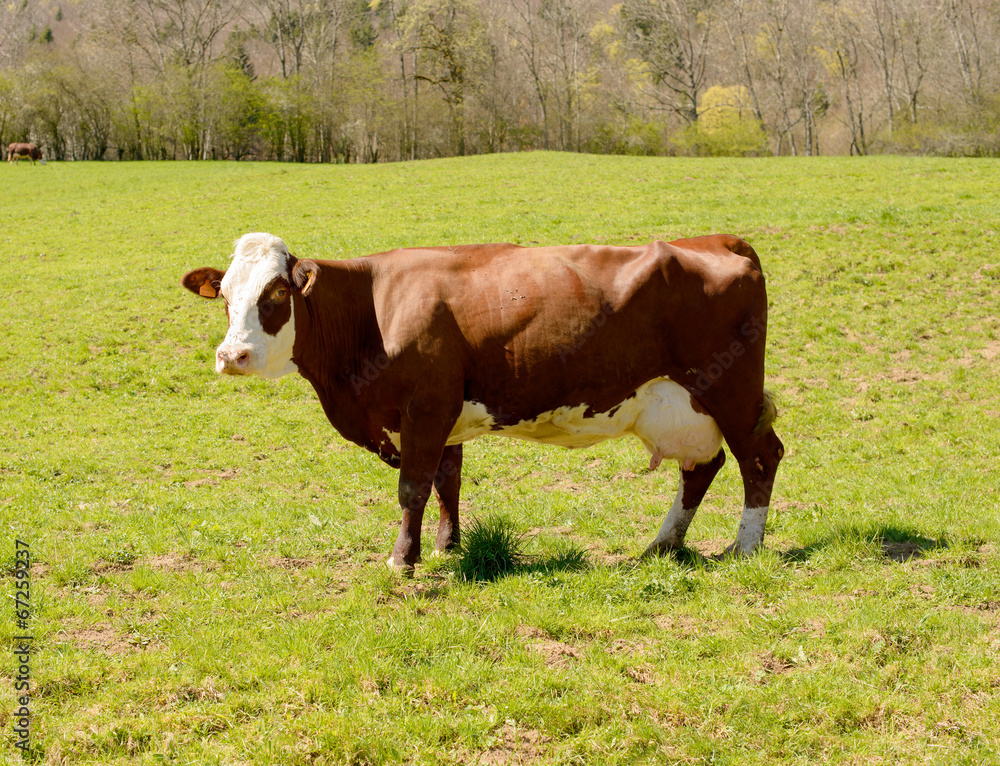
(205, 281)
(304, 274)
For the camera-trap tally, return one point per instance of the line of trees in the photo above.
(381, 80)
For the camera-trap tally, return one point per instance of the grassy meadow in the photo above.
(208, 587)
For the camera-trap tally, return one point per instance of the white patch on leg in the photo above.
(675, 525)
(401, 568)
(751, 531)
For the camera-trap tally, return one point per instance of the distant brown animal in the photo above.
(416, 351)
(17, 151)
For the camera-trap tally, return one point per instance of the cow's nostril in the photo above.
(233, 360)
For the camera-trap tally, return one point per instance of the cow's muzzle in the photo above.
(232, 359)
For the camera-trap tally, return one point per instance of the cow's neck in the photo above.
(336, 337)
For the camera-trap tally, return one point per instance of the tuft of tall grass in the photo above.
(491, 547)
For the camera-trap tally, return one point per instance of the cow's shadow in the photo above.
(898, 544)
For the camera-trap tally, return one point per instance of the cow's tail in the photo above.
(768, 414)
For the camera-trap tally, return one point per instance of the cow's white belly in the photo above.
(660, 414)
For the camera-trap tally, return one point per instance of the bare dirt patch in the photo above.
(814, 627)
(176, 562)
(554, 653)
(990, 351)
(784, 506)
(212, 478)
(709, 548)
(101, 639)
(562, 531)
(851, 337)
(565, 485)
(514, 745)
(204, 692)
(103, 567)
(902, 375)
(923, 591)
(624, 646)
(40, 570)
(598, 553)
(281, 562)
(775, 666)
(903, 551)
(684, 626)
(624, 475)
(640, 674)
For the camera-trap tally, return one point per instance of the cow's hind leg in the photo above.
(694, 482)
(447, 483)
(758, 464)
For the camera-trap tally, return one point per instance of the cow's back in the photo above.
(537, 328)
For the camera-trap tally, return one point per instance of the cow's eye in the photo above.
(279, 295)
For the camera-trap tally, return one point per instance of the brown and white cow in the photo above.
(414, 352)
(16, 151)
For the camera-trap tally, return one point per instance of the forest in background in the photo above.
(385, 80)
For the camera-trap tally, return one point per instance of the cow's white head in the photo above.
(257, 289)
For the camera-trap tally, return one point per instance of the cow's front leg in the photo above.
(413, 496)
(447, 483)
(422, 445)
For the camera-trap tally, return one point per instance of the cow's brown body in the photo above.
(414, 351)
(16, 151)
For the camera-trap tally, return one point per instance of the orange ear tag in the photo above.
(207, 290)
(309, 282)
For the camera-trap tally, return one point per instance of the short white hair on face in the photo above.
(257, 246)
(258, 259)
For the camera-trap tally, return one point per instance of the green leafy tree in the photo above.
(672, 37)
(727, 125)
(450, 37)
(241, 112)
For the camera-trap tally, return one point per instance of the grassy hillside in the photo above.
(207, 585)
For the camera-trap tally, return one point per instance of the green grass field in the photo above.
(208, 586)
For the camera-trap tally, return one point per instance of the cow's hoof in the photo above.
(406, 570)
(660, 548)
(738, 550)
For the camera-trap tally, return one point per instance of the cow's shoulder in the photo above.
(726, 246)
(715, 263)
